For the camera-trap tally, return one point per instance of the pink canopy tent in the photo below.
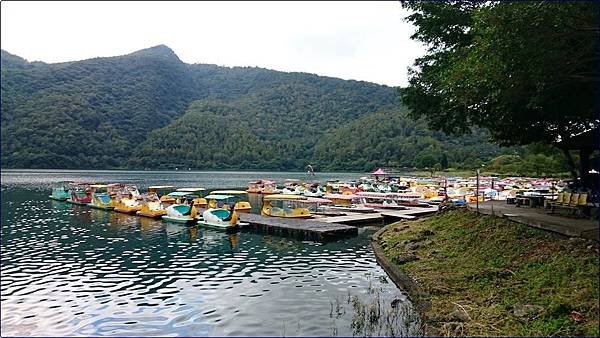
(379, 172)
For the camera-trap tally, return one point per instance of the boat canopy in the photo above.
(97, 186)
(160, 187)
(284, 197)
(262, 182)
(340, 196)
(191, 189)
(228, 192)
(378, 195)
(180, 194)
(219, 197)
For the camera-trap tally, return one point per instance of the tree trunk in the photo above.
(584, 167)
(570, 163)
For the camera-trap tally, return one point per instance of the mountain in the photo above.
(88, 114)
(149, 109)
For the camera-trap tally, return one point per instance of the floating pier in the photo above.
(315, 230)
(379, 217)
(354, 218)
(325, 228)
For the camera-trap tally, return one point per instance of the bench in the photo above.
(559, 200)
(570, 201)
(523, 201)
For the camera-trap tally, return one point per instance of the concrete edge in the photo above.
(403, 281)
(590, 234)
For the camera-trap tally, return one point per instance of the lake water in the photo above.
(71, 270)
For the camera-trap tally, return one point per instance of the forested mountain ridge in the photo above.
(88, 113)
(389, 138)
(149, 109)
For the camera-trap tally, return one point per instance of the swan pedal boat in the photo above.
(198, 201)
(220, 218)
(262, 187)
(343, 202)
(80, 193)
(60, 191)
(152, 207)
(101, 197)
(292, 206)
(128, 200)
(233, 196)
(181, 211)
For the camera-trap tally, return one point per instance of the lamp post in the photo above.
(445, 188)
(492, 198)
(477, 192)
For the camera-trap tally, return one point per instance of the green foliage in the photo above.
(87, 114)
(532, 160)
(98, 113)
(389, 138)
(527, 71)
(148, 109)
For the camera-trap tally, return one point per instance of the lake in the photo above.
(71, 270)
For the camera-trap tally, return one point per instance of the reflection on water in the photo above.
(72, 270)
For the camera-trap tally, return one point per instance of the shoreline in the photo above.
(469, 274)
(401, 279)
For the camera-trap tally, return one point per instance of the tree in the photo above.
(527, 71)
(436, 167)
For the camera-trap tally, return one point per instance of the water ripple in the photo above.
(68, 270)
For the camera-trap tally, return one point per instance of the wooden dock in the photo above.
(315, 230)
(409, 213)
(354, 218)
(325, 228)
(380, 217)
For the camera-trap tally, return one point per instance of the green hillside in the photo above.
(97, 113)
(389, 138)
(150, 110)
(88, 113)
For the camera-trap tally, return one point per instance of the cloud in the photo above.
(351, 40)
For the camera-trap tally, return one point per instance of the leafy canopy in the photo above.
(527, 71)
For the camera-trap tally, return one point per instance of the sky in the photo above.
(366, 41)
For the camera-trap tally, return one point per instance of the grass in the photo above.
(489, 276)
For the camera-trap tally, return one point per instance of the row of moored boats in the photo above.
(220, 208)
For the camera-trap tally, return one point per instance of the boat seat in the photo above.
(183, 209)
(128, 202)
(104, 198)
(154, 206)
(221, 213)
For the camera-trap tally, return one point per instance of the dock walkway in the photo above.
(353, 218)
(379, 217)
(314, 230)
(539, 218)
(326, 228)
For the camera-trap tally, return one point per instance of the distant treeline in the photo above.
(150, 110)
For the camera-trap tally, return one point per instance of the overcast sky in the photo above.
(351, 40)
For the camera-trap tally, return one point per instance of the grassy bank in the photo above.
(488, 276)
